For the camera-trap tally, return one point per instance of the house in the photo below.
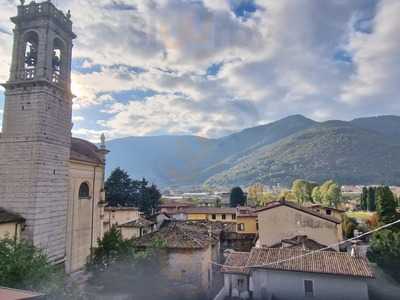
(222, 214)
(11, 224)
(115, 216)
(189, 248)
(285, 220)
(13, 294)
(136, 228)
(328, 211)
(246, 219)
(172, 206)
(271, 273)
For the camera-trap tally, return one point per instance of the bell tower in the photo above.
(36, 136)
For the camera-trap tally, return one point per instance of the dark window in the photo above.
(223, 217)
(233, 217)
(213, 216)
(309, 288)
(84, 191)
(257, 225)
(329, 212)
(240, 283)
(241, 227)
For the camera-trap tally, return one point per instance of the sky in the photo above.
(213, 67)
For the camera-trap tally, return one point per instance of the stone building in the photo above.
(282, 220)
(53, 181)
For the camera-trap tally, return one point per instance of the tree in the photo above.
(371, 199)
(23, 266)
(135, 269)
(237, 197)
(119, 190)
(385, 205)
(385, 251)
(364, 198)
(302, 190)
(348, 226)
(316, 195)
(333, 196)
(149, 198)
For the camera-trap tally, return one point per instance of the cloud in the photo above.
(213, 67)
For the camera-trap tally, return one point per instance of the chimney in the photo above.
(354, 250)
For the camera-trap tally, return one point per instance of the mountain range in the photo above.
(361, 151)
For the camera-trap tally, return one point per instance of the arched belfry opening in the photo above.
(58, 60)
(30, 55)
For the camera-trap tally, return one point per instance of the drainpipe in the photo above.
(93, 198)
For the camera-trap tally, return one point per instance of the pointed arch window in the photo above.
(84, 191)
(30, 55)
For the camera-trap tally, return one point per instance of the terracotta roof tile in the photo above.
(82, 150)
(236, 263)
(141, 222)
(184, 234)
(326, 262)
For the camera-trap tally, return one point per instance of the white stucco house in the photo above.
(284, 273)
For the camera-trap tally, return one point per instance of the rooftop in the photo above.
(296, 260)
(139, 223)
(210, 210)
(12, 294)
(236, 263)
(82, 150)
(293, 205)
(9, 217)
(185, 234)
(300, 242)
(112, 208)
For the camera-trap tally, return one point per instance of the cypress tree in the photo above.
(385, 205)
(371, 199)
(364, 198)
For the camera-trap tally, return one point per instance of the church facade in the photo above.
(55, 182)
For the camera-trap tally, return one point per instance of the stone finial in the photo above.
(103, 141)
(22, 2)
(69, 14)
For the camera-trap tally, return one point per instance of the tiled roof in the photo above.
(326, 207)
(9, 217)
(326, 262)
(141, 222)
(300, 242)
(184, 235)
(112, 208)
(12, 294)
(82, 150)
(236, 263)
(209, 210)
(300, 208)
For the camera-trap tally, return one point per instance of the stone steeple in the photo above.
(36, 137)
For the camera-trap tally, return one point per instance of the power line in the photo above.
(315, 251)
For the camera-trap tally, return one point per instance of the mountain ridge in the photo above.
(193, 160)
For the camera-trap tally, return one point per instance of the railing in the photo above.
(43, 9)
(27, 74)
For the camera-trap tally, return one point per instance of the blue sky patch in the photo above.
(243, 8)
(213, 70)
(343, 56)
(78, 64)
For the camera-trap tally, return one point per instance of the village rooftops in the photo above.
(293, 205)
(296, 260)
(300, 242)
(10, 217)
(185, 234)
(236, 263)
(139, 223)
(115, 208)
(175, 204)
(209, 210)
